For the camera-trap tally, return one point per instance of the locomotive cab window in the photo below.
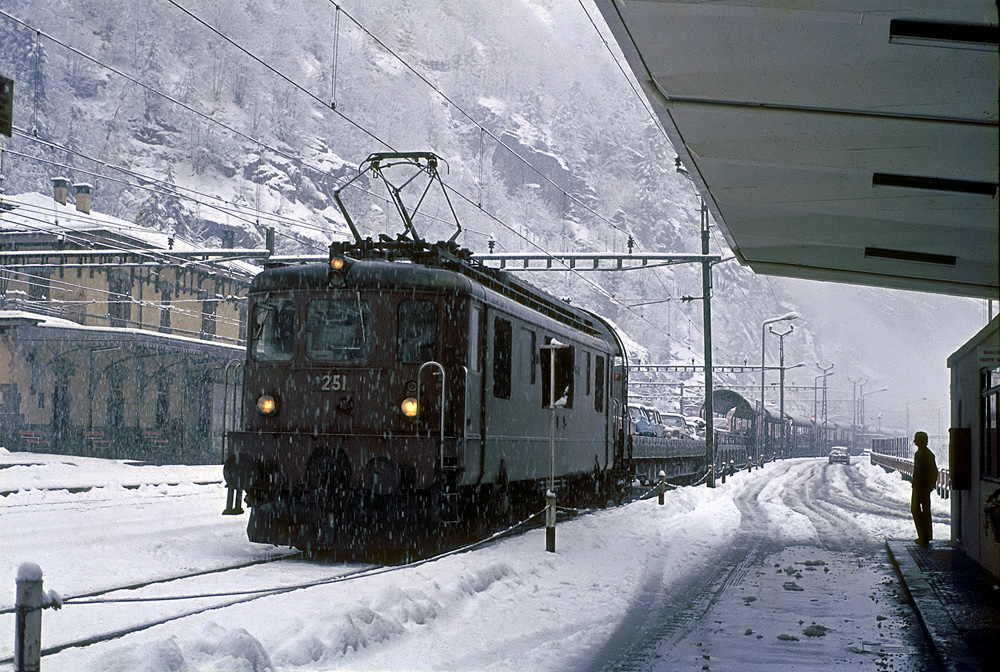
(565, 361)
(416, 331)
(272, 338)
(338, 330)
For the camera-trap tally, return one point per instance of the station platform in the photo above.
(957, 601)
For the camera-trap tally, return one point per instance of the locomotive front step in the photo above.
(450, 503)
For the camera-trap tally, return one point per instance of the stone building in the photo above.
(115, 339)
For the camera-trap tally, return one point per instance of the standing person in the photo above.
(925, 475)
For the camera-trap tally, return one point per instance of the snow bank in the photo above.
(509, 605)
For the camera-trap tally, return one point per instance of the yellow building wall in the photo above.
(83, 294)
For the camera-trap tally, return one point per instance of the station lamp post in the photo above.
(781, 364)
(763, 373)
(914, 401)
(862, 409)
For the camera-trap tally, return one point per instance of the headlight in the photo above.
(267, 405)
(338, 263)
(409, 407)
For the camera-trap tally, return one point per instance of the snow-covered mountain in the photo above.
(216, 119)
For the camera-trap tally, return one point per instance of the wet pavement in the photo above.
(807, 583)
(958, 603)
(793, 608)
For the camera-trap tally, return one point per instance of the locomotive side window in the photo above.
(586, 386)
(565, 364)
(339, 330)
(416, 331)
(502, 346)
(273, 330)
(599, 384)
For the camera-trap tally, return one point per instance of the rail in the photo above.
(31, 598)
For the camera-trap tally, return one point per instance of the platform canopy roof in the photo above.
(843, 140)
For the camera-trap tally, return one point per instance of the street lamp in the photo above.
(865, 394)
(908, 412)
(781, 364)
(763, 334)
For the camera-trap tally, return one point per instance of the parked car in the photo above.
(676, 426)
(659, 428)
(840, 454)
(643, 425)
(697, 425)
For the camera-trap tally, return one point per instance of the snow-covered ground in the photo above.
(505, 606)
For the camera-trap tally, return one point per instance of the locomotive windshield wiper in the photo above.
(361, 316)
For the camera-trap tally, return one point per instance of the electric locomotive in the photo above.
(403, 389)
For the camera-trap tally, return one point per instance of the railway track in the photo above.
(187, 591)
(75, 490)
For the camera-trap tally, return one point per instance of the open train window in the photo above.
(565, 361)
(529, 353)
(599, 384)
(338, 330)
(273, 330)
(502, 346)
(416, 331)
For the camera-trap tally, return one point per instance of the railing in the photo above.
(905, 467)
(893, 463)
(896, 447)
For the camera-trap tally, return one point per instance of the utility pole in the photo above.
(706, 302)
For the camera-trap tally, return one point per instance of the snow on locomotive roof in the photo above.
(436, 269)
(390, 275)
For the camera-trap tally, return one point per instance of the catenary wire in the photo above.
(291, 157)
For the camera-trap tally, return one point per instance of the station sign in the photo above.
(989, 356)
(6, 105)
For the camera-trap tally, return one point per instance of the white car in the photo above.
(840, 454)
(677, 427)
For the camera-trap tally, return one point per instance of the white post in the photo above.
(550, 522)
(28, 626)
(550, 495)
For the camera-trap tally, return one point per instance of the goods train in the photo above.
(403, 388)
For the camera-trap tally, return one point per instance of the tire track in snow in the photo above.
(662, 618)
(787, 493)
